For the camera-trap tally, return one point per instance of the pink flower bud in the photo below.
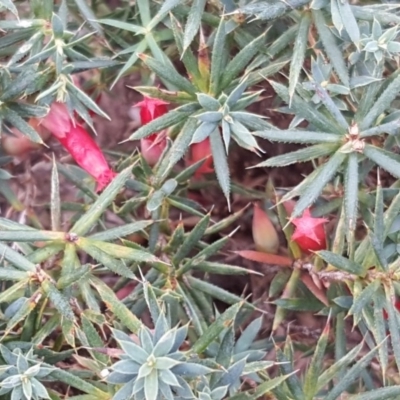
(197, 152)
(265, 236)
(58, 120)
(309, 233)
(152, 146)
(151, 109)
(77, 141)
(87, 155)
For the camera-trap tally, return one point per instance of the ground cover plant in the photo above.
(199, 199)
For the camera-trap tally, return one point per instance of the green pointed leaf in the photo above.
(264, 388)
(165, 121)
(165, 8)
(121, 231)
(381, 104)
(239, 62)
(391, 128)
(86, 222)
(104, 258)
(116, 306)
(341, 262)
(331, 47)
(178, 148)
(220, 163)
(393, 322)
(316, 365)
(351, 375)
(331, 106)
(86, 100)
(14, 119)
(88, 14)
(302, 155)
(390, 392)
(169, 73)
(332, 372)
(221, 323)
(122, 25)
(349, 21)
(351, 194)
(59, 301)
(55, 204)
(16, 259)
(10, 6)
(307, 110)
(191, 240)
(217, 58)
(363, 299)
(299, 52)
(193, 22)
(382, 158)
(325, 173)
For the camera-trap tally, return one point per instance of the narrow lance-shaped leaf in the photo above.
(220, 163)
(191, 240)
(178, 148)
(217, 57)
(306, 110)
(314, 188)
(163, 11)
(86, 222)
(193, 22)
(168, 73)
(116, 306)
(88, 14)
(10, 6)
(360, 301)
(382, 158)
(165, 121)
(349, 21)
(391, 128)
(302, 155)
(58, 299)
(351, 194)
(393, 322)
(331, 47)
(352, 374)
(299, 51)
(382, 104)
(222, 322)
(16, 259)
(22, 313)
(341, 262)
(108, 261)
(55, 198)
(316, 365)
(331, 106)
(187, 56)
(239, 62)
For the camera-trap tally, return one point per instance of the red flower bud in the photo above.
(151, 109)
(197, 152)
(309, 233)
(152, 146)
(77, 141)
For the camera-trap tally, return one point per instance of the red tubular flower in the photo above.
(152, 146)
(199, 151)
(309, 233)
(77, 141)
